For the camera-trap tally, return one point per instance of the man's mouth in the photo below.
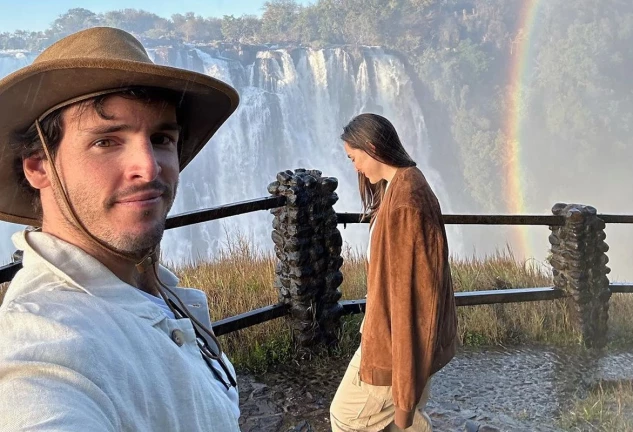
(146, 198)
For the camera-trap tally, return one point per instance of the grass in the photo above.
(240, 278)
(620, 322)
(607, 408)
(514, 323)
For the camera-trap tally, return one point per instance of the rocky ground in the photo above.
(480, 390)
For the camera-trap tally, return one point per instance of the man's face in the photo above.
(120, 172)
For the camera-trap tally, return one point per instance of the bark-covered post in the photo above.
(308, 245)
(579, 264)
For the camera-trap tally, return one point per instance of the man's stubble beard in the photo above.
(132, 245)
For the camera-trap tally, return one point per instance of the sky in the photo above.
(39, 14)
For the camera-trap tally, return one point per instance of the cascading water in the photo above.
(13, 60)
(293, 106)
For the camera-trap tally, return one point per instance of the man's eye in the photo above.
(163, 139)
(103, 143)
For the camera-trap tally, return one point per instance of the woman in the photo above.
(409, 329)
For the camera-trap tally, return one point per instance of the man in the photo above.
(95, 334)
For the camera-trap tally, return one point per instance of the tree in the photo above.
(191, 27)
(279, 21)
(243, 29)
(331, 20)
(138, 22)
(74, 20)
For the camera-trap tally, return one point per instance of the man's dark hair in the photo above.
(27, 143)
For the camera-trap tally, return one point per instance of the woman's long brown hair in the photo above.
(366, 129)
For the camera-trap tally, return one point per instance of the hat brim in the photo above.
(206, 103)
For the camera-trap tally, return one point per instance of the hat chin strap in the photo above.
(141, 266)
(148, 262)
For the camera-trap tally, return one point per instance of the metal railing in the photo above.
(184, 219)
(471, 298)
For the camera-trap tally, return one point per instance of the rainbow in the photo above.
(520, 57)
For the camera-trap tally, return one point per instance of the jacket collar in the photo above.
(396, 177)
(389, 189)
(74, 269)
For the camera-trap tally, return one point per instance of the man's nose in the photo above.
(143, 161)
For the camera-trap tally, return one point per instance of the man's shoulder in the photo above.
(55, 316)
(68, 329)
(51, 327)
(50, 303)
(41, 296)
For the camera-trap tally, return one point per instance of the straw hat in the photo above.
(88, 63)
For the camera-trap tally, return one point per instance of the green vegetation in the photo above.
(607, 408)
(241, 278)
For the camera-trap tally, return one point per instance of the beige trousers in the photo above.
(358, 406)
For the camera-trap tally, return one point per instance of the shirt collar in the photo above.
(80, 271)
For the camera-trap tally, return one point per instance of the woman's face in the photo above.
(365, 164)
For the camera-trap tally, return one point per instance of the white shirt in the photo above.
(232, 391)
(80, 350)
(371, 230)
(160, 303)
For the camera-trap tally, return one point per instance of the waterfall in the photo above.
(293, 106)
(13, 60)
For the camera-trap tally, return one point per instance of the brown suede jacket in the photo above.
(410, 325)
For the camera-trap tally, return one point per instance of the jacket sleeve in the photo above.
(415, 260)
(40, 388)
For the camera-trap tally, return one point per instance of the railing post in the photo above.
(579, 264)
(308, 245)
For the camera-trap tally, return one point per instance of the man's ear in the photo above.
(36, 171)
